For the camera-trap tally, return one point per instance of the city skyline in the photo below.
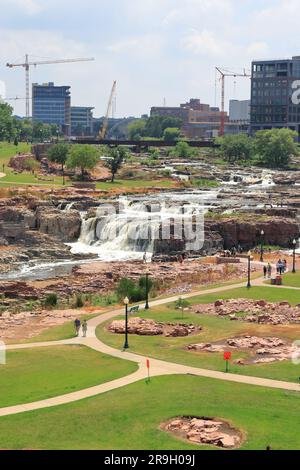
(155, 50)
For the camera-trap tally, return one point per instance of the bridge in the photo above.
(143, 143)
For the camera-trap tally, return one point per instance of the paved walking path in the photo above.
(158, 367)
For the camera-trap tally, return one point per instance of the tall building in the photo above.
(82, 121)
(52, 105)
(275, 94)
(239, 110)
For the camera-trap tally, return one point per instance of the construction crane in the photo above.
(103, 131)
(26, 65)
(225, 73)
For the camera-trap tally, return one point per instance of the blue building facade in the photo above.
(52, 105)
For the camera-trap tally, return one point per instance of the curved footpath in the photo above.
(158, 367)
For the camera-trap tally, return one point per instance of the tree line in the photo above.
(86, 157)
(272, 148)
(15, 130)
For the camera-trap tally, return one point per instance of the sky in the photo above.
(156, 49)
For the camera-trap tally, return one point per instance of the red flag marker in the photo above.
(227, 357)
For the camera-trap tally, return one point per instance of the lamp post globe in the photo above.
(262, 234)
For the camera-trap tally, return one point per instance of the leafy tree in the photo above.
(116, 157)
(182, 150)
(59, 154)
(41, 131)
(136, 129)
(181, 304)
(171, 134)
(6, 122)
(84, 157)
(275, 147)
(236, 148)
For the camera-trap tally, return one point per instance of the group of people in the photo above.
(83, 326)
(281, 267)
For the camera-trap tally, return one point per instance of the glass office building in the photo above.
(52, 105)
(275, 94)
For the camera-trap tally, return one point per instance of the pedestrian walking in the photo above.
(145, 258)
(77, 324)
(84, 328)
(269, 271)
(265, 271)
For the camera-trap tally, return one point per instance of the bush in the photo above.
(51, 300)
(135, 292)
(79, 303)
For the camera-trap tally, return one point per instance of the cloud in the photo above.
(30, 7)
(205, 43)
(258, 50)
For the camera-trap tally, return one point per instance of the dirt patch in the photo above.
(205, 431)
(261, 350)
(145, 327)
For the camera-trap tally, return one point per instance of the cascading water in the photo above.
(132, 231)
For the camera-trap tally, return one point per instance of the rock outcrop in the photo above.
(63, 225)
(146, 327)
(205, 431)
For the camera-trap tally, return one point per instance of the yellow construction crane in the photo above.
(27, 66)
(103, 131)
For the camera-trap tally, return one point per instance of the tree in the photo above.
(84, 157)
(171, 134)
(59, 154)
(236, 148)
(6, 122)
(116, 157)
(136, 129)
(182, 150)
(275, 147)
(181, 304)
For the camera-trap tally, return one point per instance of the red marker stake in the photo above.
(148, 367)
(227, 357)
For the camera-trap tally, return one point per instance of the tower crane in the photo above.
(225, 73)
(103, 131)
(27, 64)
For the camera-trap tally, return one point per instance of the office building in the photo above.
(52, 105)
(82, 121)
(275, 94)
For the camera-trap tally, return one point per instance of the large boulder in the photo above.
(65, 226)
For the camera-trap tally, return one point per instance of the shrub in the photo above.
(51, 300)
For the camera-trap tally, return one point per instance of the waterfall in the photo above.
(132, 230)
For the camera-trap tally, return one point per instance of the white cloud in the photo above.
(205, 43)
(31, 7)
(258, 50)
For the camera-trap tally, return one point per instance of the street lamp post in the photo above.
(147, 292)
(249, 270)
(262, 233)
(294, 255)
(126, 303)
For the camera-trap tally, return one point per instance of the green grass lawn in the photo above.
(130, 418)
(10, 150)
(35, 374)
(57, 333)
(214, 329)
(292, 280)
